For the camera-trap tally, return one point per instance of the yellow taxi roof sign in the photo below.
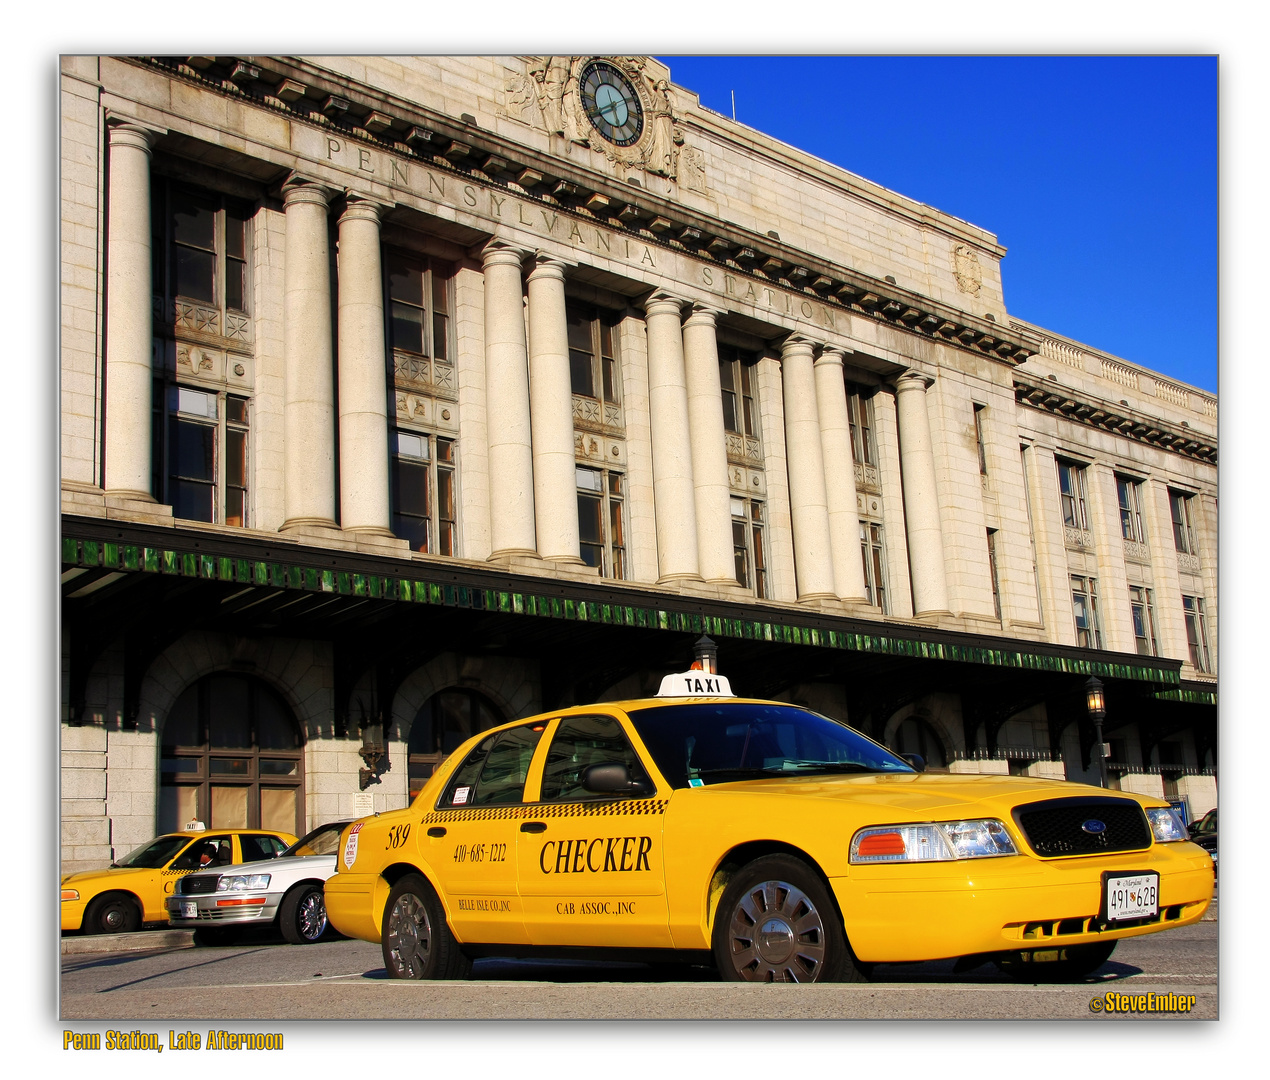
(695, 684)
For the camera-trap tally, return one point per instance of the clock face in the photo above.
(611, 103)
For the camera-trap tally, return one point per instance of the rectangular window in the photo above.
(872, 551)
(1085, 609)
(1196, 634)
(737, 384)
(418, 305)
(422, 490)
(983, 453)
(592, 352)
(749, 546)
(860, 416)
(1143, 611)
(1129, 494)
(1071, 489)
(1183, 531)
(201, 464)
(601, 521)
(200, 249)
(992, 571)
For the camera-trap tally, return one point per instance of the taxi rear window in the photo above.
(495, 772)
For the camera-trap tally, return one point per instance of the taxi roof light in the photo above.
(695, 683)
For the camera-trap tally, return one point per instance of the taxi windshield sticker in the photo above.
(350, 846)
(460, 795)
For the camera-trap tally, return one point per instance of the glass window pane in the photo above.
(181, 727)
(278, 809)
(275, 729)
(580, 374)
(415, 446)
(279, 768)
(580, 331)
(236, 458)
(445, 450)
(405, 279)
(440, 337)
(229, 717)
(580, 742)
(229, 808)
(440, 289)
(590, 521)
(230, 766)
(235, 234)
(503, 776)
(196, 402)
(445, 494)
(410, 487)
(193, 221)
(407, 327)
(235, 284)
(194, 274)
(177, 805)
(192, 500)
(236, 410)
(590, 479)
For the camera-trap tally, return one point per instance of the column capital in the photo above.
(359, 208)
(300, 189)
(913, 379)
(501, 253)
(547, 265)
(796, 343)
(703, 313)
(834, 355)
(664, 303)
(125, 131)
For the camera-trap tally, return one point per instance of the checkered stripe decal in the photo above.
(629, 808)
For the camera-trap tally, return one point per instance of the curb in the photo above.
(111, 943)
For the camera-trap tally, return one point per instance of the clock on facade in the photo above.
(611, 103)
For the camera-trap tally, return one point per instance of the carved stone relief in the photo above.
(545, 95)
(966, 269)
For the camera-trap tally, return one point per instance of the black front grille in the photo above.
(1058, 827)
(197, 884)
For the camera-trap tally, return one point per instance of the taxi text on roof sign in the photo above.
(695, 684)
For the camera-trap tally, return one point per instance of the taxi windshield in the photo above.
(155, 854)
(719, 742)
(324, 840)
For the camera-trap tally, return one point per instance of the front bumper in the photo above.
(908, 912)
(223, 909)
(73, 913)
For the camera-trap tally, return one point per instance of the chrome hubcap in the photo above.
(409, 934)
(775, 934)
(312, 916)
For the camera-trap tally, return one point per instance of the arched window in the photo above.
(231, 758)
(441, 725)
(916, 736)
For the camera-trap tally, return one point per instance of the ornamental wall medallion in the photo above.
(966, 269)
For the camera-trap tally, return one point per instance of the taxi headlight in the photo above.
(1166, 826)
(938, 842)
(242, 882)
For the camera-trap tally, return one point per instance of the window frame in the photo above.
(1193, 618)
(613, 548)
(993, 571)
(750, 546)
(873, 557)
(1077, 498)
(739, 390)
(437, 468)
(166, 410)
(436, 277)
(1129, 500)
(1142, 606)
(980, 437)
(1181, 514)
(861, 420)
(164, 255)
(603, 367)
(1090, 636)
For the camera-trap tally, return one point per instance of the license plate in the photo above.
(1130, 896)
(189, 910)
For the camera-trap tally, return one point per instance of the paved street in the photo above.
(263, 980)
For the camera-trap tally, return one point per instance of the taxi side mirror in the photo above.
(916, 760)
(613, 778)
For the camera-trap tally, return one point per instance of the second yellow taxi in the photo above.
(772, 841)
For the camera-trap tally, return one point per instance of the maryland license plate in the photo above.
(189, 909)
(1130, 896)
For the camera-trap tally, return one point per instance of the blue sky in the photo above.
(1098, 173)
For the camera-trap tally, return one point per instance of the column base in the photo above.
(564, 560)
(505, 554)
(817, 597)
(934, 613)
(674, 579)
(137, 506)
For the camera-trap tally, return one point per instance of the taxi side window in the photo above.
(582, 741)
(204, 852)
(260, 847)
(495, 772)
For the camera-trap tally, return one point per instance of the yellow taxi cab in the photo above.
(783, 845)
(134, 890)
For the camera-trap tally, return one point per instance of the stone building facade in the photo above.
(404, 396)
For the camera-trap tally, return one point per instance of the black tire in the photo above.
(113, 913)
(777, 923)
(416, 940)
(215, 936)
(1071, 964)
(302, 915)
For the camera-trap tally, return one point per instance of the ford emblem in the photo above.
(1094, 826)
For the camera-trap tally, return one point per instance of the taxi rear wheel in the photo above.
(114, 913)
(302, 915)
(417, 942)
(1072, 962)
(777, 923)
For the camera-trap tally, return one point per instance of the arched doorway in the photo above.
(232, 757)
(915, 736)
(441, 725)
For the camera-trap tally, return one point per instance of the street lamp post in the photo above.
(1096, 705)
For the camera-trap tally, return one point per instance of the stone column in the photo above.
(808, 502)
(309, 407)
(921, 497)
(672, 447)
(511, 482)
(129, 339)
(709, 449)
(840, 492)
(551, 414)
(363, 378)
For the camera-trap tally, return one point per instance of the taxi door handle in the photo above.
(534, 826)
(436, 831)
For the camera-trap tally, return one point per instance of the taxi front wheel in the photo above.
(777, 923)
(113, 913)
(417, 942)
